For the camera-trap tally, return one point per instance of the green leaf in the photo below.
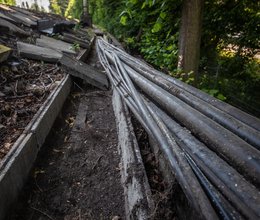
(221, 97)
(213, 92)
(143, 6)
(123, 20)
(157, 27)
(163, 15)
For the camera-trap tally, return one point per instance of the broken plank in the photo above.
(83, 54)
(19, 17)
(70, 38)
(44, 24)
(38, 53)
(12, 28)
(24, 19)
(31, 15)
(85, 72)
(4, 53)
(2, 15)
(55, 44)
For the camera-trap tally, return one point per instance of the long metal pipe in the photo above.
(228, 181)
(233, 149)
(249, 134)
(231, 110)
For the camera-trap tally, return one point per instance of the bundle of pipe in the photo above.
(215, 158)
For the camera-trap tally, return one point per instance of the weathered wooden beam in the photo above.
(12, 28)
(38, 53)
(83, 54)
(70, 38)
(85, 72)
(55, 44)
(44, 24)
(4, 16)
(137, 192)
(4, 53)
(32, 16)
(19, 17)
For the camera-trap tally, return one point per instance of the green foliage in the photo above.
(55, 7)
(160, 52)
(75, 46)
(8, 2)
(74, 9)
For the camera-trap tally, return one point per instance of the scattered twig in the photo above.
(97, 161)
(38, 210)
(18, 96)
(78, 87)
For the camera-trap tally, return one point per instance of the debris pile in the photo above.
(30, 67)
(23, 89)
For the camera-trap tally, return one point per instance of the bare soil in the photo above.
(77, 174)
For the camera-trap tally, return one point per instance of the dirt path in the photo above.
(77, 173)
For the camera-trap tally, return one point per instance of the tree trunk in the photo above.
(85, 18)
(85, 7)
(190, 36)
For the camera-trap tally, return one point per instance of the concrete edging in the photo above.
(17, 164)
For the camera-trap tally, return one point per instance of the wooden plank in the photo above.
(83, 54)
(2, 15)
(24, 19)
(12, 28)
(70, 38)
(32, 16)
(4, 53)
(137, 192)
(44, 24)
(80, 33)
(57, 45)
(18, 16)
(85, 72)
(38, 53)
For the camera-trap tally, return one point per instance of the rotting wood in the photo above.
(83, 54)
(12, 28)
(23, 19)
(38, 53)
(44, 24)
(70, 38)
(4, 53)
(55, 44)
(19, 16)
(32, 16)
(85, 72)
(138, 202)
(2, 15)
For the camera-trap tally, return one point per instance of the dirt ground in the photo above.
(77, 174)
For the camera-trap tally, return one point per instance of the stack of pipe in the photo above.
(212, 147)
